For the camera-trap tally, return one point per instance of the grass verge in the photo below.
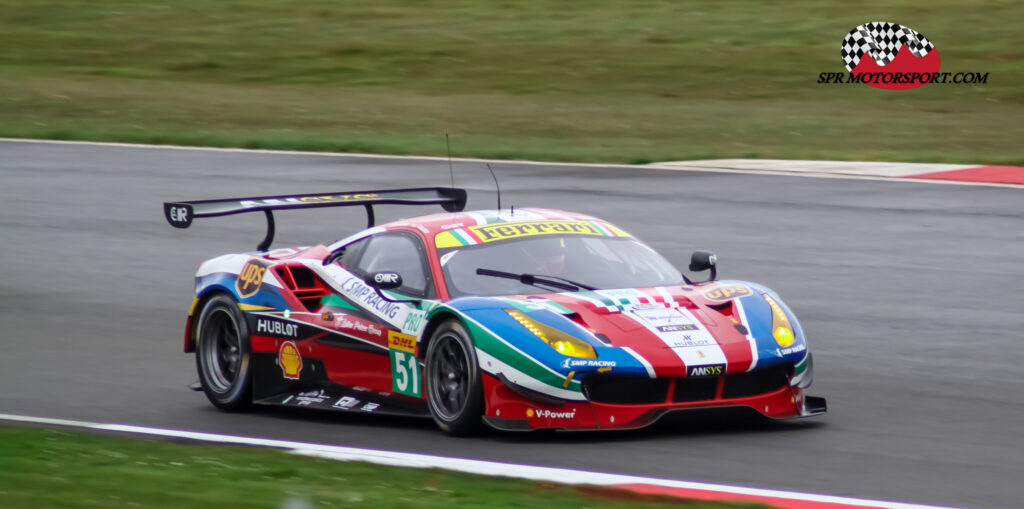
(580, 80)
(56, 468)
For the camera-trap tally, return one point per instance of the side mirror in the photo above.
(384, 280)
(704, 260)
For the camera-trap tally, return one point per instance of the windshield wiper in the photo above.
(538, 279)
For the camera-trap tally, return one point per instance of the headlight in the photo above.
(782, 330)
(564, 343)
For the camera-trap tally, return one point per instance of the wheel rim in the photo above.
(221, 350)
(449, 378)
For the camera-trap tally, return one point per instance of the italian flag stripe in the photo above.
(461, 236)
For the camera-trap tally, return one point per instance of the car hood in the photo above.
(672, 331)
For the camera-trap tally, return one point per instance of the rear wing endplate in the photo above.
(181, 214)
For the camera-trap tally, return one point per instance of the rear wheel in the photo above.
(223, 354)
(454, 390)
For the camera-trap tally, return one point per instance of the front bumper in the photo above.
(636, 403)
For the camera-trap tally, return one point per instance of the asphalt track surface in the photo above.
(910, 294)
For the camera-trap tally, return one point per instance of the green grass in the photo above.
(586, 80)
(48, 468)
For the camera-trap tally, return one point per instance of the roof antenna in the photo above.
(449, 146)
(495, 185)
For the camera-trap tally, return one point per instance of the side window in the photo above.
(397, 251)
(350, 256)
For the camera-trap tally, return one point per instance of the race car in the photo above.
(520, 319)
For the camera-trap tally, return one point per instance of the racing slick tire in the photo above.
(224, 354)
(454, 389)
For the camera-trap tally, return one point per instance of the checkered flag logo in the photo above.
(882, 40)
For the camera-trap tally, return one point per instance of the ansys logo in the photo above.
(893, 57)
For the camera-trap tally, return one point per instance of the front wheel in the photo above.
(223, 354)
(454, 391)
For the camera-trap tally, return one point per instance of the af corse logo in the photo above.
(890, 56)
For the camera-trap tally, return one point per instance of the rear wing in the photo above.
(181, 214)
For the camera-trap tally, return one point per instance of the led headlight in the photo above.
(782, 330)
(564, 343)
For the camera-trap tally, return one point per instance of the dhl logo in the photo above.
(250, 278)
(723, 293)
(403, 342)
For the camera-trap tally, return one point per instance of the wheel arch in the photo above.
(432, 325)
(197, 307)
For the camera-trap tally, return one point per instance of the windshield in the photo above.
(601, 262)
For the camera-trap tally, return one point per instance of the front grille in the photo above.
(694, 389)
(623, 390)
(761, 381)
(626, 390)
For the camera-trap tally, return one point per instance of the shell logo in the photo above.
(290, 360)
(529, 412)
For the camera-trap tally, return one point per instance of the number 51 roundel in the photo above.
(405, 369)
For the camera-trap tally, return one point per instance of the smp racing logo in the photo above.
(893, 57)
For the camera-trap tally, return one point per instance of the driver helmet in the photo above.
(546, 256)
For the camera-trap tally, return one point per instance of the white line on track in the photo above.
(667, 166)
(401, 459)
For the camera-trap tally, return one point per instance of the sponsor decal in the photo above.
(346, 402)
(179, 215)
(793, 349)
(368, 297)
(587, 363)
(250, 278)
(370, 407)
(344, 322)
(290, 360)
(680, 330)
(383, 278)
(656, 315)
(330, 198)
(414, 320)
(723, 293)
(544, 413)
(712, 370)
(501, 231)
(689, 341)
(271, 327)
(311, 397)
(403, 342)
(677, 328)
(405, 369)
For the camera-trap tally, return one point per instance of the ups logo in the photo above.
(250, 278)
(723, 293)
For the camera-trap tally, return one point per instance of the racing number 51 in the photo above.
(405, 371)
